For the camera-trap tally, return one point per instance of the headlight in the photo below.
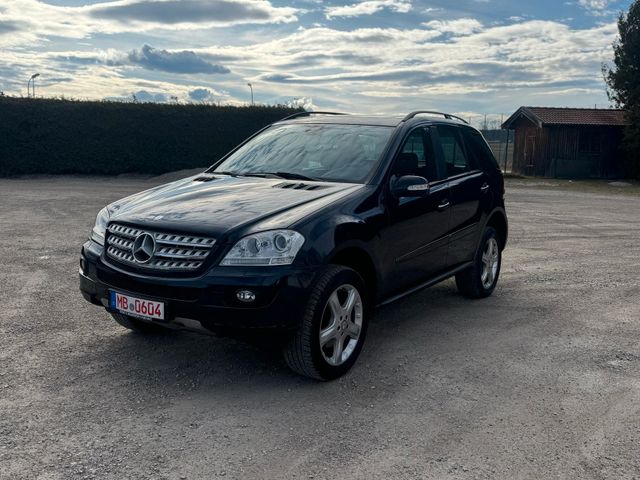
(277, 247)
(99, 229)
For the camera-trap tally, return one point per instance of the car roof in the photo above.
(373, 120)
(377, 120)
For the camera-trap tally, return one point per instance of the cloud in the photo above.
(8, 27)
(192, 11)
(204, 95)
(462, 26)
(38, 20)
(303, 59)
(594, 4)
(368, 7)
(453, 65)
(466, 72)
(141, 96)
(74, 60)
(145, 96)
(596, 7)
(181, 61)
(417, 63)
(149, 97)
(184, 61)
(306, 103)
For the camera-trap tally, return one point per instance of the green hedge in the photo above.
(62, 136)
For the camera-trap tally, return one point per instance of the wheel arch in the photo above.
(357, 258)
(498, 220)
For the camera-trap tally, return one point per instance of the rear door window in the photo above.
(455, 157)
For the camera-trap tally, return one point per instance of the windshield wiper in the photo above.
(292, 176)
(232, 174)
(285, 175)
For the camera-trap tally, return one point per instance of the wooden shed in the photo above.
(567, 142)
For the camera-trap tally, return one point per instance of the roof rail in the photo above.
(448, 116)
(304, 114)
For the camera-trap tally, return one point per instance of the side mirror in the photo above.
(410, 186)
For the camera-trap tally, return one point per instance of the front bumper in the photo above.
(210, 299)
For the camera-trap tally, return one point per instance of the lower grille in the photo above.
(156, 250)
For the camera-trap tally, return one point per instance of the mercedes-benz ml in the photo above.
(302, 230)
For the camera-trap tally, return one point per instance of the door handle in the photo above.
(444, 205)
(484, 188)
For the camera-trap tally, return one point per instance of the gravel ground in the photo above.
(540, 381)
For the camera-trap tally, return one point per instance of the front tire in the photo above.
(138, 326)
(333, 328)
(481, 279)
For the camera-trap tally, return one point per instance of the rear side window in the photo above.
(455, 158)
(479, 150)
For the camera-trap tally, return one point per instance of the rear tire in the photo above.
(333, 328)
(138, 326)
(480, 280)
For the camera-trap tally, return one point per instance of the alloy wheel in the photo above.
(341, 325)
(490, 263)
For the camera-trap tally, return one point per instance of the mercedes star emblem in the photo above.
(144, 247)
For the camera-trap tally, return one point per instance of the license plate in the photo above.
(137, 307)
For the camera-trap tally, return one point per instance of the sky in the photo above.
(470, 57)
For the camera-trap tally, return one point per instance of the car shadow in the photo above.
(185, 362)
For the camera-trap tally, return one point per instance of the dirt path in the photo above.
(540, 381)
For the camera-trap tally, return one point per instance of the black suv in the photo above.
(302, 230)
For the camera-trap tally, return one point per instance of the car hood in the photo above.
(223, 203)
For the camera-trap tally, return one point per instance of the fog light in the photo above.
(83, 266)
(246, 296)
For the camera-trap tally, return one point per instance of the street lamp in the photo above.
(33, 81)
(251, 87)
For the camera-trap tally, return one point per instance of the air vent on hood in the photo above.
(298, 186)
(205, 178)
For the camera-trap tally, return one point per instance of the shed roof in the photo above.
(546, 116)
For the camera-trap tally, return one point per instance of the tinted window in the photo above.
(456, 161)
(479, 150)
(417, 156)
(342, 153)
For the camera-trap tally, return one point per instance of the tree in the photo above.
(624, 82)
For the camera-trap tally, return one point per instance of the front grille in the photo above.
(173, 252)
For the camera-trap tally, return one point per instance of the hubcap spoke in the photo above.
(328, 333)
(336, 358)
(353, 330)
(351, 302)
(334, 304)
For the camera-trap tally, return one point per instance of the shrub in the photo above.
(61, 136)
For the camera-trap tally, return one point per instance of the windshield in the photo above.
(338, 153)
